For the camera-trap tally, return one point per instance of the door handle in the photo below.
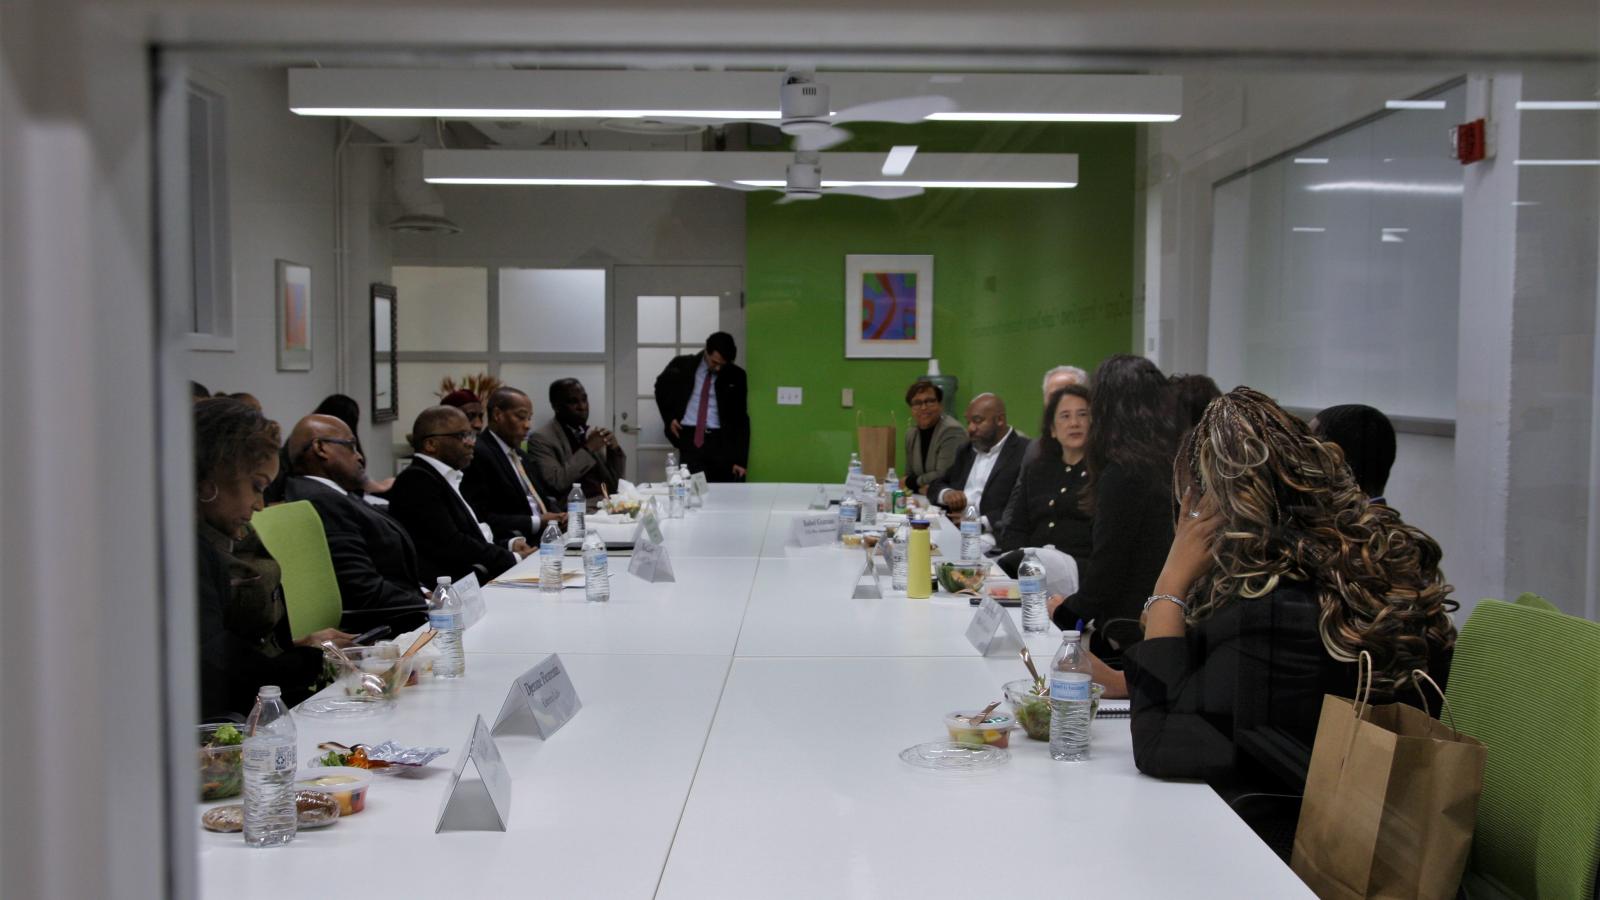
(625, 428)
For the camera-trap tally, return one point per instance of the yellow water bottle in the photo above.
(919, 562)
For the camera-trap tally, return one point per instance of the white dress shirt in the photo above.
(983, 463)
(452, 477)
(691, 416)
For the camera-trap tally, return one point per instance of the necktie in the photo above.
(527, 485)
(705, 409)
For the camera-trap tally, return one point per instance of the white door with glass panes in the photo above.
(660, 312)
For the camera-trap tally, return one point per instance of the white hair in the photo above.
(1079, 376)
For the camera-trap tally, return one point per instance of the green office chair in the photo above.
(292, 533)
(1534, 601)
(1526, 682)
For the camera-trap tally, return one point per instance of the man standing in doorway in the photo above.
(701, 397)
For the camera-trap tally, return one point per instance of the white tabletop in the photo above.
(739, 738)
(801, 793)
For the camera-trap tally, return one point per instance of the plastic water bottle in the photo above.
(596, 569)
(897, 562)
(891, 480)
(869, 502)
(971, 528)
(551, 548)
(691, 499)
(819, 500)
(675, 496)
(855, 466)
(672, 463)
(446, 616)
(1030, 582)
(1071, 686)
(575, 506)
(269, 766)
(849, 510)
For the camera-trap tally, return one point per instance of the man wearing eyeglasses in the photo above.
(373, 558)
(426, 499)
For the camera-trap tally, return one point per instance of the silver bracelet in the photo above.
(1181, 605)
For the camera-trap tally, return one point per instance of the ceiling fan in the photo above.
(807, 116)
(803, 181)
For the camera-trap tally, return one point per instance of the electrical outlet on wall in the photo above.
(847, 397)
(789, 396)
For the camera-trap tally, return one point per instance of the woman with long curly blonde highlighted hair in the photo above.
(1280, 573)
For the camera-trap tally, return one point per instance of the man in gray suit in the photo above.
(566, 451)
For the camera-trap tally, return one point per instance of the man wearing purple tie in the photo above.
(701, 397)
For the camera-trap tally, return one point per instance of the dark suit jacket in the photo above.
(674, 387)
(447, 539)
(997, 491)
(495, 492)
(559, 466)
(373, 557)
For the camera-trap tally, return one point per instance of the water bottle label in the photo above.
(269, 756)
(969, 527)
(575, 512)
(600, 560)
(549, 550)
(439, 620)
(1030, 584)
(1069, 686)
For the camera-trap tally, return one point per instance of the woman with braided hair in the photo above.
(1281, 572)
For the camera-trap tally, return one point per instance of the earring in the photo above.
(212, 498)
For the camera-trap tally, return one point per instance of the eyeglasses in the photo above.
(465, 437)
(343, 442)
(924, 402)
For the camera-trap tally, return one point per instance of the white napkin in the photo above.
(1060, 571)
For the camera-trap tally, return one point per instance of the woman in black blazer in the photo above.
(1046, 504)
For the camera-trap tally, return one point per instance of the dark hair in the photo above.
(920, 385)
(1135, 423)
(722, 342)
(1193, 393)
(501, 398)
(1049, 447)
(198, 391)
(341, 407)
(229, 438)
(561, 387)
(1366, 437)
(429, 421)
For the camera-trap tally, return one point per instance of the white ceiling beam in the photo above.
(685, 169)
(554, 93)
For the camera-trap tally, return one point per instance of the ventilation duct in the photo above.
(421, 210)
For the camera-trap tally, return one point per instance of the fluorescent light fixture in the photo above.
(1303, 229)
(1524, 203)
(579, 182)
(1050, 117)
(1558, 162)
(1395, 230)
(1414, 104)
(1426, 188)
(898, 159)
(1559, 104)
(1393, 238)
(379, 112)
(1310, 160)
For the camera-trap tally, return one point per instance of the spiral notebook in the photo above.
(1113, 709)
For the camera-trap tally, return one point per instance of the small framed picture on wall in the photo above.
(293, 304)
(888, 307)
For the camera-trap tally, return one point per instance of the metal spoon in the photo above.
(978, 719)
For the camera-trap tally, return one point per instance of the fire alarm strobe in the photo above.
(1469, 143)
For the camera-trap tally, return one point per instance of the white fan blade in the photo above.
(820, 139)
(877, 192)
(904, 110)
(796, 198)
(736, 186)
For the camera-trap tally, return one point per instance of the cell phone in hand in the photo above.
(371, 635)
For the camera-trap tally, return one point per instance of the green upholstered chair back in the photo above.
(1536, 602)
(292, 533)
(1526, 682)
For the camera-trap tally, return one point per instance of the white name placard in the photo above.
(697, 483)
(543, 696)
(992, 631)
(472, 606)
(649, 560)
(482, 803)
(649, 524)
(857, 484)
(819, 530)
(868, 587)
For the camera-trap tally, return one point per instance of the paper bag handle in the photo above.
(1363, 683)
(1418, 677)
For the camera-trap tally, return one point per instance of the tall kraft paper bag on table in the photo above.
(876, 443)
(1390, 804)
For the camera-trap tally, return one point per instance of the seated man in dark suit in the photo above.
(987, 467)
(372, 556)
(567, 451)
(426, 499)
(498, 484)
(1366, 436)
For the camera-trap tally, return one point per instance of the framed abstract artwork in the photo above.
(888, 307)
(293, 304)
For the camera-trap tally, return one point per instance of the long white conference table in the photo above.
(739, 738)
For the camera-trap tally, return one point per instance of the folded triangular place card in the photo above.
(868, 587)
(540, 701)
(992, 631)
(649, 560)
(483, 802)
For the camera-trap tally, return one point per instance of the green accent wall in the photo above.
(1023, 281)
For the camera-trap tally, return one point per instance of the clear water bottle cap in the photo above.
(443, 581)
(270, 691)
(1070, 636)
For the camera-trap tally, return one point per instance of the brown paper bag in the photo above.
(876, 445)
(1390, 804)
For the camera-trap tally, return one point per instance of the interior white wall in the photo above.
(368, 207)
(281, 192)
